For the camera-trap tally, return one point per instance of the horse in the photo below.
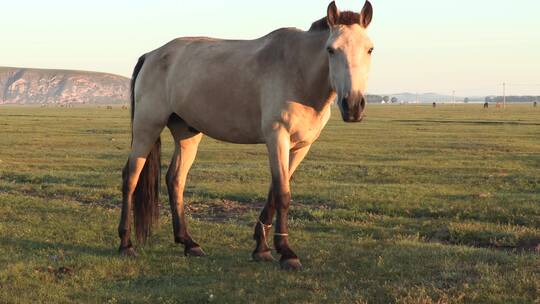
(486, 105)
(276, 90)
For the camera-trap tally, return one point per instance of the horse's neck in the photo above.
(317, 90)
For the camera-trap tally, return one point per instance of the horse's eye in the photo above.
(370, 51)
(330, 50)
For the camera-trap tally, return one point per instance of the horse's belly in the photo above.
(239, 127)
(235, 136)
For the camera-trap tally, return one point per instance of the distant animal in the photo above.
(535, 104)
(434, 104)
(109, 107)
(486, 105)
(276, 90)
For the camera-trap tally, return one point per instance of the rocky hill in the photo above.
(39, 86)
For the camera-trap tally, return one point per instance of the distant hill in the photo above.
(40, 86)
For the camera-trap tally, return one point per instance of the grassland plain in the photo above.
(416, 205)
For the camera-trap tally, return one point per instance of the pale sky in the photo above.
(471, 46)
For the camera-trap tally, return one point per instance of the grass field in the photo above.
(416, 205)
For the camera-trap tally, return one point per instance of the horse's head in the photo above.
(349, 51)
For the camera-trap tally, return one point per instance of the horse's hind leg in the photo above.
(186, 143)
(130, 177)
(141, 147)
(146, 133)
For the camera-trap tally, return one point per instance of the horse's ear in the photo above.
(332, 14)
(366, 15)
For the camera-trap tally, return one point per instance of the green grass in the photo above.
(416, 205)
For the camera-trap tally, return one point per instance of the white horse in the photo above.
(276, 90)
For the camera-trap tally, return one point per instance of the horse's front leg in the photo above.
(262, 251)
(278, 150)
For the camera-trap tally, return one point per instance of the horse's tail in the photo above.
(146, 195)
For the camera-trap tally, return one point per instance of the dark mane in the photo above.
(345, 18)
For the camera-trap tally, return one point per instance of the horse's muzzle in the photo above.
(352, 110)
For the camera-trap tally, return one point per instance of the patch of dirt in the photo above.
(224, 210)
(522, 246)
(59, 272)
(221, 210)
(443, 236)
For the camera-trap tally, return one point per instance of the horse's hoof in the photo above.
(291, 264)
(265, 256)
(194, 252)
(128, 252)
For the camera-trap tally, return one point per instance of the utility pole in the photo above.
(504, 95)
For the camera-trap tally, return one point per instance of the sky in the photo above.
(421, 46)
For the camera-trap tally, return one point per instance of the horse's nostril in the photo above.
(345, 103)
(345, 110)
